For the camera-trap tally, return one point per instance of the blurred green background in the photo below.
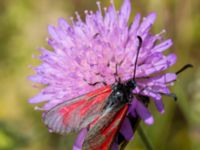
(23, 29)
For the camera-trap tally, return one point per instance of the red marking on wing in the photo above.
(74, 114)
(94, 122)
(107, 144)
(113, 127)
(66, 110)
(99, 91)
(104, 128)
(98, 99)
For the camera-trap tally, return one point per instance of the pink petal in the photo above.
(144, 113)
(135, 24)
(163, 46)
(160, 106)
(124, 13)
(63, 24)
(166, 78)
(146, 24)
(126, 129)
(40, 98)
(80, 139)
(52, 32)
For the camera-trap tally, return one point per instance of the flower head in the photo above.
(87, 52)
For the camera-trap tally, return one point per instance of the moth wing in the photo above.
(102, 133)
(77, 113)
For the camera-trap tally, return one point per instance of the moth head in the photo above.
(131, 84)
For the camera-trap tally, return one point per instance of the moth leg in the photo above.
(95, 83)
(172, 95)
(184, 68)
(117, 79)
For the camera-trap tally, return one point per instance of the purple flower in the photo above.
(88, 51)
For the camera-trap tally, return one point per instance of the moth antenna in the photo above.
(184, 68)
(138, 50)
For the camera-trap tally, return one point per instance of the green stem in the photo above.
(144, 138)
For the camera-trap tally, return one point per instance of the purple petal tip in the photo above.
(149, 120)
(162, 111)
